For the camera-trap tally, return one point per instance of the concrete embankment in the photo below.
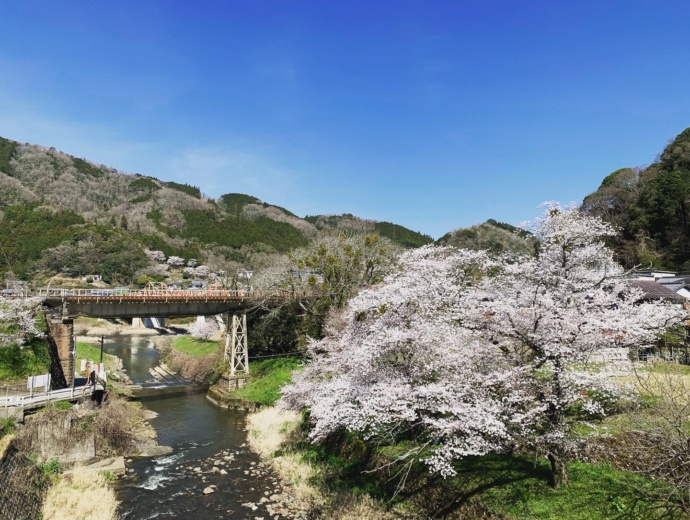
(220, 395)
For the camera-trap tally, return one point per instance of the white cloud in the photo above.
(217, 170)
(92, 142)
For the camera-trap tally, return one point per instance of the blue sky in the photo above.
(434, 115)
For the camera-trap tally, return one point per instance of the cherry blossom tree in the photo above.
(203, 330)
(175, 261)
(473, 353)
(18, 320)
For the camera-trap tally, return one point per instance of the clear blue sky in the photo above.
(434, 115)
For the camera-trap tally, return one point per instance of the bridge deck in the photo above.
(126, 303)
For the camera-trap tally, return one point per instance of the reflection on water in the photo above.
(138, 356)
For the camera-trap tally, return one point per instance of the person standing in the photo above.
(90, 379)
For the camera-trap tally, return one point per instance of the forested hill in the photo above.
(651, 207)
(491, 235)
(63, 214)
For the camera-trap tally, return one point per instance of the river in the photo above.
(209, 450)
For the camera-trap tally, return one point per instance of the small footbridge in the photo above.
(32, 400)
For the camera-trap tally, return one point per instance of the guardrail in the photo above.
(66, 394)
(136, 294)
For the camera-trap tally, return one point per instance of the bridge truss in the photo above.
(236, 348)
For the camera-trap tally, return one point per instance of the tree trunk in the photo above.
(559, 472)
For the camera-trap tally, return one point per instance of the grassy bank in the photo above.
(267, 377)
(83, 494)
(269, 430)
(196, 347)
(344, 473)
(16, 363)
(93, 353)
(192, 358)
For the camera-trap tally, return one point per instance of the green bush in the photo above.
(7, 426)
(17, 363)
(51, 467)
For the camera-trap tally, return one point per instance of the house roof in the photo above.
(655, 291)
(670, 280)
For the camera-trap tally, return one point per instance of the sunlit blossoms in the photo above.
(18, 320)
(204, 329)
(469, 353)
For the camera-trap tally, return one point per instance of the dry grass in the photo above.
(83, 495)
(359, 507)
(4, 443)
(114, 425)
(269, 429)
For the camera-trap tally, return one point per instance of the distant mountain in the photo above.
(491, 235)
(64, 214)
(651, 207)
(395, 232)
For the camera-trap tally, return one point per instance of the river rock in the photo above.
(209, 490)
(115, 465)
(223, 472)
(154, 450)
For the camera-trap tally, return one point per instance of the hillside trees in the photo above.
(335, 268)
(322, 276)
(26, 231)
(493, 236)
(651, 206)
(469, 353)
(96, 250)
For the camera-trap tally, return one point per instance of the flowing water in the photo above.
(203, 437)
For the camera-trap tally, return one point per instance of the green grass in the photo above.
(519, 488)
(268, 376)
(17, 363)
(93, 353)
(196, 347)
(516, 488)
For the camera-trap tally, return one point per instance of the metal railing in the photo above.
(65, 394)
(142, 294)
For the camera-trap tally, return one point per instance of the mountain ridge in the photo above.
(72, 204)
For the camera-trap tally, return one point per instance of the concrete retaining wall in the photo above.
(23, 488)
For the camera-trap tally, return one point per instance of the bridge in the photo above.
(159, 301)
(38, 399)
(155, 301)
